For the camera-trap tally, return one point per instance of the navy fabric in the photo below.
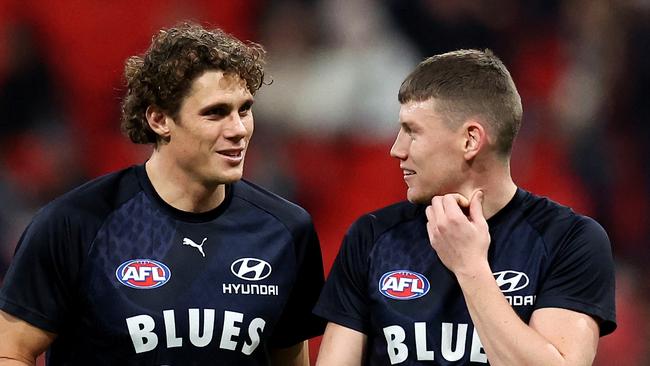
(541, 253)
(219, 302)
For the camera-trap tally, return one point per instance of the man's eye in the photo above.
(245, 109)
(221, 112)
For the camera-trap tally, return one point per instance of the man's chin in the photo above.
(418, 198)
(230, 178)
(232, 175)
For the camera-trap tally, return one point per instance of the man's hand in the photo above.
(461, 240)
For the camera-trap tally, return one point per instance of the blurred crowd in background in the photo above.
(325, 125)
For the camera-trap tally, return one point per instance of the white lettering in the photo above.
(415, 287)
(389, 284)
(397, 350)
(529, 300)
(208, 327)
(250, 289)
(403, 283)
(158, 274)
(200, 332)
(452, 351)
(140, 328)
(400, 284)
(446, 337)
(141, 274)
(255, 329)
(421, 342)
(131, 274)
(170, 330)
(230, 330)
(477, 354)
(518, 300)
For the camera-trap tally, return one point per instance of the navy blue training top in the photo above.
(125, 279)
(388, 282)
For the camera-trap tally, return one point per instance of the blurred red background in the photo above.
(325, 125)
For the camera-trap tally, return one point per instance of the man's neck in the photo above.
(179, 189)
(497, 186)
(497, 197)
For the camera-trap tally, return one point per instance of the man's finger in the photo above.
(432, 227)
(431, 215)
(452, 205)
(476, 207)
(438, 209)
(461, 200)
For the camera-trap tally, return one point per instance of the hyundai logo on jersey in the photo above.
(509, 281)
(403, 285)
(143, 273)
(251, 269)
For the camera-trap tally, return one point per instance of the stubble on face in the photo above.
(214, 126)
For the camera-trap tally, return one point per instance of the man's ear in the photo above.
(476, 138)
(159, 122)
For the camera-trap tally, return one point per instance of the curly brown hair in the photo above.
(164, 74)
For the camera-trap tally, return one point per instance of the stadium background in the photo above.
(325, 125)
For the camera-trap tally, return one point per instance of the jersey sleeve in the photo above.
(344, 299)
(41, 279)
(582, 275)
(297, 322)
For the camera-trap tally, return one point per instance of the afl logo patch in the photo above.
(143, 273)
(403, 285)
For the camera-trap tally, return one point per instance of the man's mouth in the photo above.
(232, 155)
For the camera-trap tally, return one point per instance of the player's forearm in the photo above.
(341, 346)
(5, 361)
(297, 355)
(507, 340)
(11, 356)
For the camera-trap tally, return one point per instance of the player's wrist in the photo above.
(473, 272)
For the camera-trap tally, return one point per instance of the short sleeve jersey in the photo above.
(388, 282)
(125, 279)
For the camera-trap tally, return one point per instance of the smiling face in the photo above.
(429, 151)
(208, 138)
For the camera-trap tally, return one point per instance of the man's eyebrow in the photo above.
(407, 124)
(248, 102)
(218, 105)
(226, 106)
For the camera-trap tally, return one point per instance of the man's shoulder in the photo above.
(381, 220)
(552, 218)
(396, 213)
(96, 197)
(273, 204)
(544, 210)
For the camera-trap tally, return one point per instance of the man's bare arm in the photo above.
(20, 342)
(296, 355)
(552, 337)
(341, 346)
